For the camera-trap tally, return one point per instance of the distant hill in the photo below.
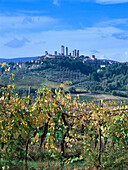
(108, 60)
(90, 77)
(25, 59)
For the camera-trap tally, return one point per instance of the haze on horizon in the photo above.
(29, 27)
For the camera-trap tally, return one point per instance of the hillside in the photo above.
(14, 60)
(85, 77)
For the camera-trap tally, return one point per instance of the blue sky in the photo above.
(29, 27)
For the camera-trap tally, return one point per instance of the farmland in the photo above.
(65, 132)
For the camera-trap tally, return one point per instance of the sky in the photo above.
(95, 27)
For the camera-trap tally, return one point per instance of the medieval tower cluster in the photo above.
(64, 52)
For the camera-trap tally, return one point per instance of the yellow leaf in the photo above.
(46, 146)
(55, 105)
(37, 136)
(67, 162)
(78, 96)
(69, 97)
(61, 85)
(66, 139)
(13, 75)
(51, 128)
(3, 64)
(9, 69)
(23, 122)
(85, 147)
(9, 127)
(22, 107)
(67, 82)
(81, 157)
(101, 100)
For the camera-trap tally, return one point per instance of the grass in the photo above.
(27, 81)
(84, 98)
(116, 159)
(51, 84)
(37, 79)
(91, 97)
(46, 165)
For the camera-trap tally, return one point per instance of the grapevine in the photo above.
(56, 123)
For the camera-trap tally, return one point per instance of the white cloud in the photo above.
(99, 38)
(16, 43)
(104, 39)
(20, 22)
(18, 0)
(56, 2)
(121, 36)
(114, 22)
(30, 12)
(111, 1)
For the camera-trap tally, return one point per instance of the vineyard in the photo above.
(63, 129)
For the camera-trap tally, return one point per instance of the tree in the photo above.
(72, 90)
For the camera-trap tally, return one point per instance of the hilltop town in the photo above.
(65, 54)
(86, 73)
(76, 56)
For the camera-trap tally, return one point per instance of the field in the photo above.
(84, 77)
(97, 97)
(36, 81)
(48, 123)
(58, 131)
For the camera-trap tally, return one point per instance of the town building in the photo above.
(76, 56)
(62, 50)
